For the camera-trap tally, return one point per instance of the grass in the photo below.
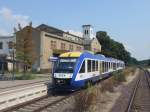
(84, 101)
(116, 79)
(129, 70)
(107, 85)
(119, 76)
(27, 76)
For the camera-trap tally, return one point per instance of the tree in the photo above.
(25, 47)
(112, 48)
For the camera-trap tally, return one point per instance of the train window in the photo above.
(106, 65)
(89, 65)
(115, 66)
(103, 66)
(96, 65)
(93, 65)
(82, 70)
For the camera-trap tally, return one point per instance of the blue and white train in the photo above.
(74, 70)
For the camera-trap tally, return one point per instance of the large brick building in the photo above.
(50, 41)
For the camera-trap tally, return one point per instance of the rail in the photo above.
(134, 99)
(133, 95)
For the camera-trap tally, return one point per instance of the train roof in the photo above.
(71, 54)
(89, 55)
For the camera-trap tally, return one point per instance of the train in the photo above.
(75, 70)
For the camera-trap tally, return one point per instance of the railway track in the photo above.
(44, 104)
(140, 99)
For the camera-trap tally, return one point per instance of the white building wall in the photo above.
(5, 46)
(88, 32)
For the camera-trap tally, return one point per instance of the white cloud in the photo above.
(9, 16)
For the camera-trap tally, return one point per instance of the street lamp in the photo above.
(12, 57)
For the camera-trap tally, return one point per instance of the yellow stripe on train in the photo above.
(71, 54)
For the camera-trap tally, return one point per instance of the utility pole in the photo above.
(13, 56)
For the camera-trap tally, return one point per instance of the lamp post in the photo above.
(13, 59)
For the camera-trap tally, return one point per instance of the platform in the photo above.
(13, 84)
(20, 91)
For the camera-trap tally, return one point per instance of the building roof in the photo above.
(54, 30)
(50, 29)
(87, 25)
(6, 37)
(73, 35)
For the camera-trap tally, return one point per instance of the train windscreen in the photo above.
(65, 65)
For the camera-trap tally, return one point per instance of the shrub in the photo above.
(84, 101)
(119, 77)
(108, 85)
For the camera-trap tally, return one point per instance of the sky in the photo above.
(126, 21)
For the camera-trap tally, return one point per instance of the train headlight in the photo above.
(54, 75)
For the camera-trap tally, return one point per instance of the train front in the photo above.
(64, 70)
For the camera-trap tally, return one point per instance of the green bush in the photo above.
(119, 76)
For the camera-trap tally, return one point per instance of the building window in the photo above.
(10, 44)
(62, 46)
(85, 32)
(1, 45)
(53, 44)
(71, 47)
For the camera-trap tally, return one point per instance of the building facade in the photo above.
(90, 41)
(6, 52)
(6, 45)
(51, 42)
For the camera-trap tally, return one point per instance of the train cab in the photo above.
(64, 69)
